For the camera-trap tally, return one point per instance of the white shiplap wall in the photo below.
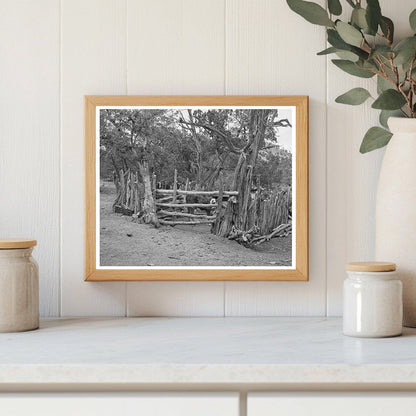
(54, 52)
(29, 134)
(93, 58)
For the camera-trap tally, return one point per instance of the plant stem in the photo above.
(411, 91)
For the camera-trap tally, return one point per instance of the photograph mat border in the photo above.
(97, 189)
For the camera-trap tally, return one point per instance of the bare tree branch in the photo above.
(219, 133)
(284, 122)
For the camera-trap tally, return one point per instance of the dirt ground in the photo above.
(182, 245)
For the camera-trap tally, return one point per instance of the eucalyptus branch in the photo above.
(395, 71)
(411, 82)
(405, 96)
(384, 73)
(366, 46)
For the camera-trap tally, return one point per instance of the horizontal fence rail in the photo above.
(185, 214)
(162, 204)
(169, 222)
(203, 193)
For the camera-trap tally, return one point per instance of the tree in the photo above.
(243, 133)
(127, 136)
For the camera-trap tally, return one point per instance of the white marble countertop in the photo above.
(183, 352)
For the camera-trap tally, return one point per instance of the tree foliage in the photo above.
(198, 143)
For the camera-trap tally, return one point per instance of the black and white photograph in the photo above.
(196, 187)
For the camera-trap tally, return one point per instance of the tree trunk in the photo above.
(237, 213)
(219, 216)
(198, 148)
(212, 177)
(121, 190)
(149, 208)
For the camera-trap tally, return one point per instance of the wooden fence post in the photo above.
(175, 189)
(154, 185)
(218, 218)
(186, 188)
(175, 185)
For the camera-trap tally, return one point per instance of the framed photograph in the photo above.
(196, 188)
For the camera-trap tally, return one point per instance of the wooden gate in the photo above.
(174, 209)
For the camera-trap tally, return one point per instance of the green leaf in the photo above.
(383, 84)
(327, 51)
(412, 20)
(389, 100)
(351, 3)
(386, 114)
(358, 18)
(375, 138)
(347, 55)
(387, 27)
(370, 64)
(373, 15)
(405, 43)
(349, 34)
(350, 56)
(405, 50)
(335, 40)
(362, 54)
(381, 50)
(352, 68)
(334, 7)
(356, 96)
(311, 12)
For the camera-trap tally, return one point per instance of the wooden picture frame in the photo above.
(298, 270)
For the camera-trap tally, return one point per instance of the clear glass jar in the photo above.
(19, 286)
(372, 300)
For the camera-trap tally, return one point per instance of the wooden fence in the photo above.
(273, 211)
(196, 207)
(129, 193)
(268, 217)
(266, 214)
(188, 207)
(174, 208)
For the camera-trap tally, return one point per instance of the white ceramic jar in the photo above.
(19, 286)
(372, 300)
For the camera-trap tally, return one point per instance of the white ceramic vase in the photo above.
(396, 210)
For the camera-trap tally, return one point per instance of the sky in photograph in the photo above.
(285, 133)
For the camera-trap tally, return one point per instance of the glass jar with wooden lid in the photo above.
(372, 300)
(19, 286)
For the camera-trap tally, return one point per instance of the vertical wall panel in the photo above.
(352, 177)
(175, 47)
(93, 58)
(270, 50)
(29, 135)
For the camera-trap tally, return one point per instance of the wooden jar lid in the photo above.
(371, 266)
(11, 243)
